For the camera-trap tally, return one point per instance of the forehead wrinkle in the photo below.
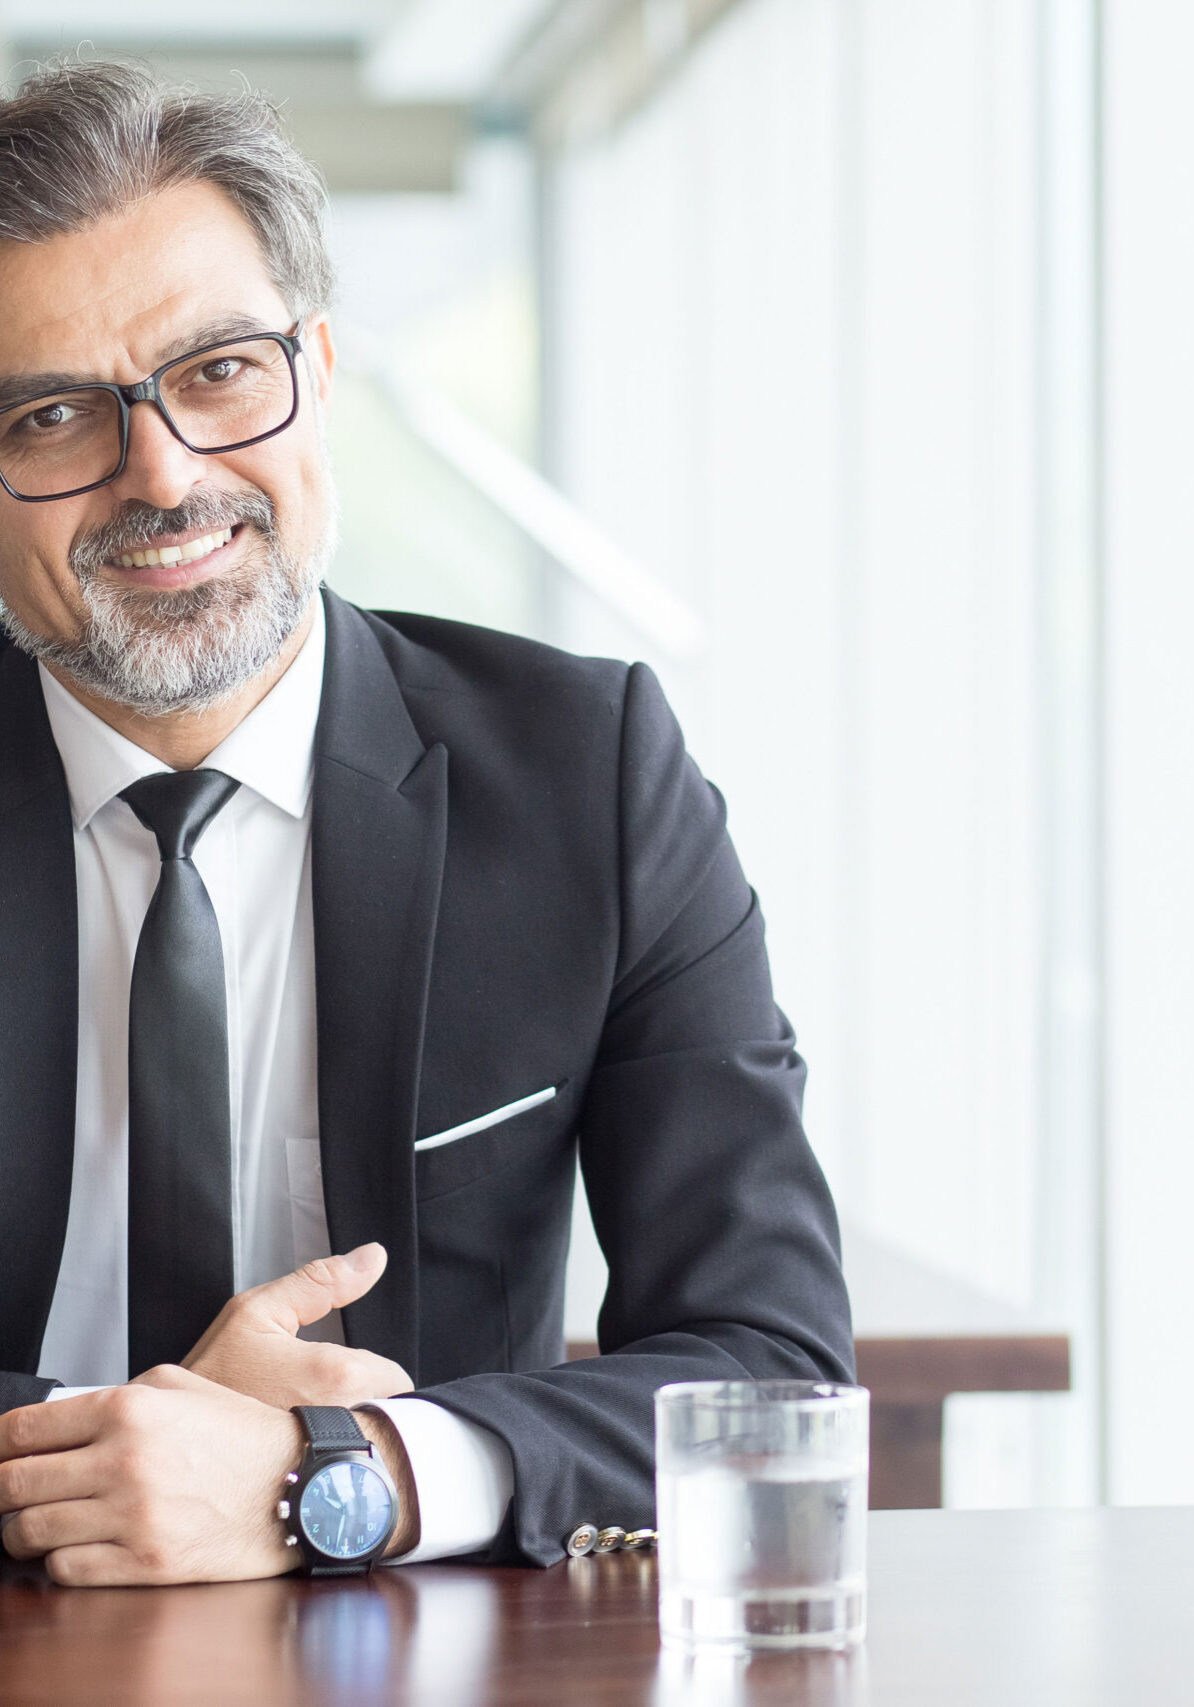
(115, 292)
(84, 314)
(86, 320)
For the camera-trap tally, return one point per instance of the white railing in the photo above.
(526, 498)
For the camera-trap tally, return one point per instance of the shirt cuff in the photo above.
(463, 1473)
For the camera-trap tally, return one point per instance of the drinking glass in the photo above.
(762, 1499)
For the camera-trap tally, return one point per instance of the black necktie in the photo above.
(180, 1165)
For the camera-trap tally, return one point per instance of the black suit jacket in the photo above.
(520, 880)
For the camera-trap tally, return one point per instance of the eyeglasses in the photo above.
(221, 397)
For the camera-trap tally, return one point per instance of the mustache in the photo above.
(136, 522)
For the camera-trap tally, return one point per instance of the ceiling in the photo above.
(384, 94)
(418, 50)
(387, 94)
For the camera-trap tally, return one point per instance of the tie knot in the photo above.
(179, 805)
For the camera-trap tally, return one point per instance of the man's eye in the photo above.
(45, 419)
(221, 369)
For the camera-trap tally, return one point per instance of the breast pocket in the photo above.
(454, 1157)
(493, 1215)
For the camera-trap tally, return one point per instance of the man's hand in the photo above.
(176, 1477)
(170, 1480)
(251, 1346)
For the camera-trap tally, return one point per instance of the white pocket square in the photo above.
(493, 1118)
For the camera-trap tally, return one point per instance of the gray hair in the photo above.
(80, 142)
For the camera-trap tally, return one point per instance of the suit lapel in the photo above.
(378, 832)
(39, 981)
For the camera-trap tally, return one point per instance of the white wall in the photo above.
(1149, 259)
(795, 362)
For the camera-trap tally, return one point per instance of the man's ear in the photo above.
(320, 350)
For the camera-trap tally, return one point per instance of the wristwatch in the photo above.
(341, 1508)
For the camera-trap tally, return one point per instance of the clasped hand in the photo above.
(173, 1477)
(252, 1345)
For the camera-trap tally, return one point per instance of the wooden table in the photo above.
(968, 1609)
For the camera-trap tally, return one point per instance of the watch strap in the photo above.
(331, 1428)
(338, 1568)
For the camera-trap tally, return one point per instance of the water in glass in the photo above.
(762, 1551)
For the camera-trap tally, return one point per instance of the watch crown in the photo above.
(292, 1540)
(291, 1477)
(283, 1508)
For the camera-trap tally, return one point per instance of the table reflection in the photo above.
(812, 1678)
(420, 1635)
(426, 1635)
(450, 1618)
(452, 1635)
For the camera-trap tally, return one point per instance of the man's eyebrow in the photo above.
(24, 387)
(214, 332)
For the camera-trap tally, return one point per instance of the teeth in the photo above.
(197, 548)
(170, 554)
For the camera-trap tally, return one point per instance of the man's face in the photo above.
(112, 304)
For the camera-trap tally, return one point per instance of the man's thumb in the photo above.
(327, 1283)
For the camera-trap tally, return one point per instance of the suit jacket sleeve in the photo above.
(709, 1205)
(17, 1389)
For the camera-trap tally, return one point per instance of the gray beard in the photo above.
(187, 649)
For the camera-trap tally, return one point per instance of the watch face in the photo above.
(345, 1510)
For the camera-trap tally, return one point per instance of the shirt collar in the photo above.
(272, 751)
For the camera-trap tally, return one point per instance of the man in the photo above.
(464, 903)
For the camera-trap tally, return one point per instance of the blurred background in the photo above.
(835, 356)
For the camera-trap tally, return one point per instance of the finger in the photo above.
(47, 1477)
(65, 1523)
(319, 1287)
(97, 1563)
(52, 1427)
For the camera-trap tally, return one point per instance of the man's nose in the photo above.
(158, 469)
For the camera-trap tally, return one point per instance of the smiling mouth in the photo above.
(167, 555)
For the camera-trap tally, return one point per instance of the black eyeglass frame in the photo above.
(148, 390)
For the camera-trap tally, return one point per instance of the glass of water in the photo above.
(762, 1497)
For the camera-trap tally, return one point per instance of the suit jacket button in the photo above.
(610, 1539)
(637, 1540)
(582, 1540)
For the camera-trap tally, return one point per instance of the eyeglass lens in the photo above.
(56, 444)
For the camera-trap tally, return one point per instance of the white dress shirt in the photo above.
(255, 860)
